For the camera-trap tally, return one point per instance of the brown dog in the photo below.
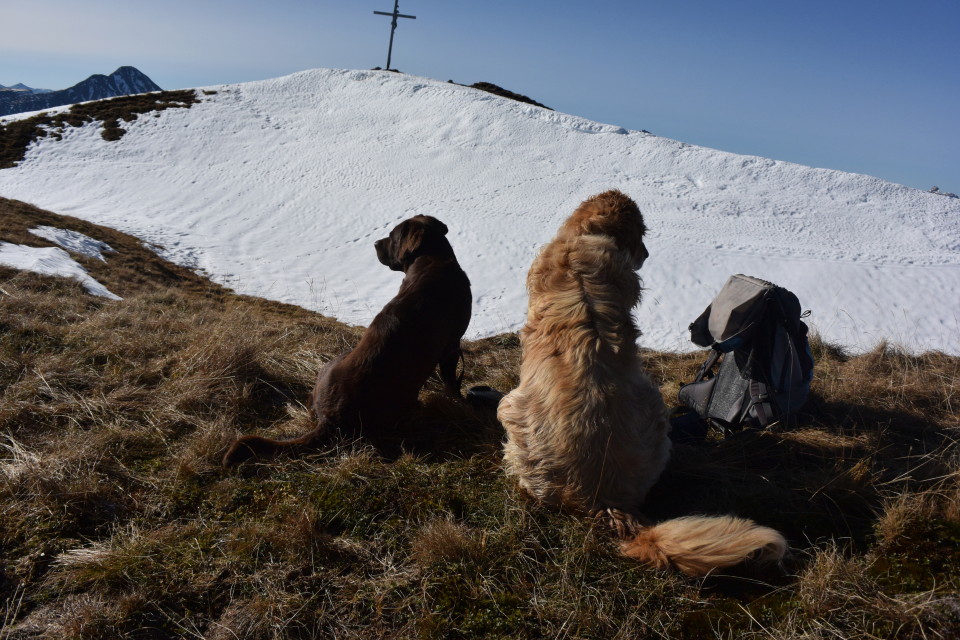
(364, 392)
(586, 428)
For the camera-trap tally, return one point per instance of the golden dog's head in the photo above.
(612, 214)
(412, 238)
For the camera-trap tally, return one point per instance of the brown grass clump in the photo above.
(444, 540)
(119, 523)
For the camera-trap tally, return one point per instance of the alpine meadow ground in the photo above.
(118, 522)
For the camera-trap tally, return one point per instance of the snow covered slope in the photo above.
(279, 188)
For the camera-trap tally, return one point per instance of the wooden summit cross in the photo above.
(393, 26)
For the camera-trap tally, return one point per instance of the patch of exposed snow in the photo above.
(74, 241)
(51, 261)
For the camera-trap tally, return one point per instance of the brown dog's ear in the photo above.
(432, 223)
(408, 247)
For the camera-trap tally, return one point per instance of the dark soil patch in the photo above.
(496, 90)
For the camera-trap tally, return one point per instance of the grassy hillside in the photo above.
(119, 523)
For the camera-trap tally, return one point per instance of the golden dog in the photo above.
(586, 428)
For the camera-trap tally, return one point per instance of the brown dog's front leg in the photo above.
(448, 371)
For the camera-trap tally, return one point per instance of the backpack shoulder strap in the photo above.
(707, 366)
(760, 408)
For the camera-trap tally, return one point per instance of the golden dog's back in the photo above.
(586, 427)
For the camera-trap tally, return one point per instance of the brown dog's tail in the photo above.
(697, 545)
(250, 447)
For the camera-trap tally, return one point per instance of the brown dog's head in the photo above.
(412, 238)
(612, 214)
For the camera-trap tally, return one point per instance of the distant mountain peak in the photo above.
(126, 80)
(23, 88)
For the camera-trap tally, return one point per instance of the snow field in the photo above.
(279, 188)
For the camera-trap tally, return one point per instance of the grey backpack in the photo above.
(755, 332)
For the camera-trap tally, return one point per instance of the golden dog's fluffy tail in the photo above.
(697, 545)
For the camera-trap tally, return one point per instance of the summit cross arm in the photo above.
(393, 26)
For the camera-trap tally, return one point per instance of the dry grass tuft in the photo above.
(444, 540)
(843, 595)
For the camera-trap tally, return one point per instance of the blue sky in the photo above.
(863, 86)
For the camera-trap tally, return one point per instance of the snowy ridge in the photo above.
(279, 188)
(22, 87)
